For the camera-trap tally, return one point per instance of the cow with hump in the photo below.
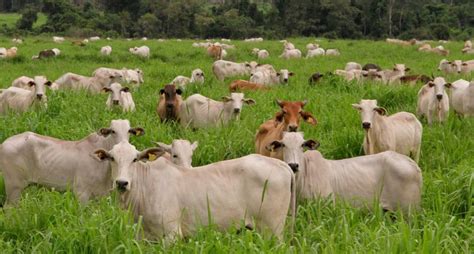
(30, 158)
(253, 191)
(389, 178)
(288, 119)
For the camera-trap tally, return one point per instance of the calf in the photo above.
(169, 105)
(288, 119)
(142, 51)
(433, 101)
(197, 76)
(269, 77)
(215, 52)
(198, 111)
(106, 50)
(19, 100)
(174, 201)
(291, 53)
(93, 84)
(223, 69)
(120, 96)
(392, 180)
(181, 151)
(315, 78)
(400, 132)
(30, 158)
(244, 85)
(462, 98)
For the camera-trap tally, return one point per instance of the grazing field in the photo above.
(10, 19)
(48, 222)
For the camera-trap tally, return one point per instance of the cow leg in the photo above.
(430, 117)
(83, 196)
(13, 190)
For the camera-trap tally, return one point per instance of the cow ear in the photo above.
(407, 69)
(125, 90)
(291, 73)
(431, 84)
(381, 111)
(178, 91)
(226, 98)
(280, 103)
(311, 144)
(137, 131)
(356, 106)
(194, 145)
(102, 155)
(303, 103)
(164, 146)
(111, 77)
(31, 83)
(274, 146)
(48, 83)
(448, 85)
(309, 118)
(106, 89)
(150, 154)
(105, 132)
(249, 101)
(162, 91)
(278, 74)
(279, 117)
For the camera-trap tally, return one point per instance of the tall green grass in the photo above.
(46, 221)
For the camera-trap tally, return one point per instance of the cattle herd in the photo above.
(260, 189)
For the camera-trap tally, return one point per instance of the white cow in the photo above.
(288, 45)
(17, 41)
(449, 67)
(19, 100)
(142, 51)
(462, 97)
(262, 54)
(332, 52)
(197, 76)
(94, 38)
(120, 96)
(433, 101)
(467, 66)
(198, 111)
(8, 53)
(29, 158)
(23, 82)
(56, 51)
(352, 66)
(315, 52)
(350, 75)
(391, 179)
(130, 76)
(291, 53)
(255, 51)
(270, 77)
(311, 46)
(391, 77)
(181, 151)
(58, 39)
(400, 132)
(93, 84)
(223, 69)
(175, 202)
(106, 50)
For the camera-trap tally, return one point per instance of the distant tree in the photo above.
(29, 16)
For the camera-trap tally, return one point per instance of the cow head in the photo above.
(115, 91)
(439, 85)
(39, 83)
(123, 159)
(234, 103)
(456, 65)
(400, 68)
(291, 113)
(368, 109)
(172, 97)
(292, 146)
(197, 76)
(181, 151)
(119, 131)
(284, 75)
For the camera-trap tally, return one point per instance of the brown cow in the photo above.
(315, 78)
(287, 119)
(413, 79)
(46, 54)
(215, 52)
(244, 85)
(169, 104)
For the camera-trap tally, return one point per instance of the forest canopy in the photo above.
(355, 19)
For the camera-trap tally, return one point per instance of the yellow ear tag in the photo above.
(152, 157)
(138, 132)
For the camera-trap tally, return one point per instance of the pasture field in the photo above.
(48, 222)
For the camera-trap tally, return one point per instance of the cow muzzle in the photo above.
(294, 167)
(115, 102)
(285, 80)
(39, 97)
(439, 97)
(292, 128)
(121, 185)
(366, 125)
(236, 110)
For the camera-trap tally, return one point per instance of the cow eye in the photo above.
(135, 160)
(175, 156)
(112, 131)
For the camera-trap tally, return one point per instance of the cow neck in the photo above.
(135, 199)
(307, 178)
(377, 129)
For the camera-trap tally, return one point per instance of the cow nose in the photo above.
(121, 185)
(439, 97)
(116, 102)
(292, 128)
(285, 80)
(39, 96)
(366, 125)
(236, 110)
(294, 167)
(170, 105)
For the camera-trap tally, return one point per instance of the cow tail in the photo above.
(293, 205)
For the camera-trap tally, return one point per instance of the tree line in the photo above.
(370, 19)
